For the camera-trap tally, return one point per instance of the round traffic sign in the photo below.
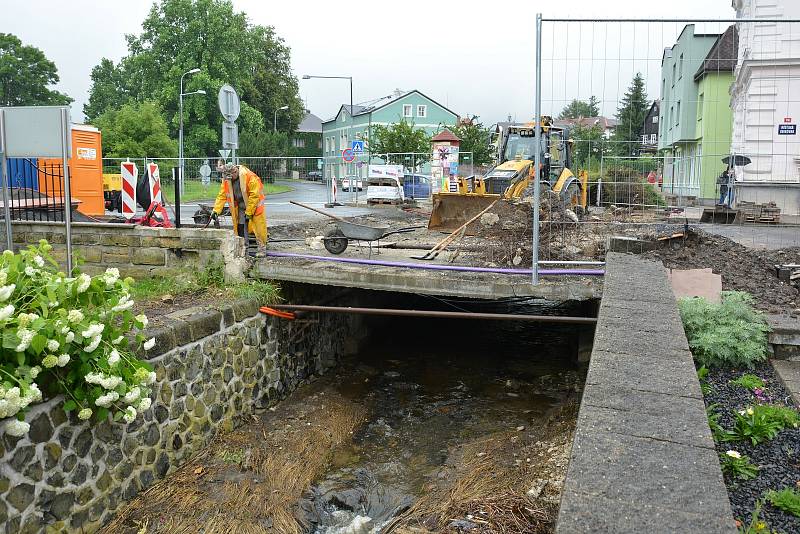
(205, 170)
(228, 101)
(348, 155)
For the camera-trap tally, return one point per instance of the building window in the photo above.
(407, 109)
(653, 139)
(678, 114)
(644, 139)
(299, 143)
(422, 111)
(327, 144)
(700, 107)
(319, 143)
(680, 67)
(674, 74)
(655, 119)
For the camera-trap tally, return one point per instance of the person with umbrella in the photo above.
(727, 179)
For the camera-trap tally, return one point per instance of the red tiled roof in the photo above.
(445, 135)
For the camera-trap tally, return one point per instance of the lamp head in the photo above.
(284, 107)
(201, 91)
(193, 71)
(306, 77)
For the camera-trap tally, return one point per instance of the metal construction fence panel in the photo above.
(671, 118)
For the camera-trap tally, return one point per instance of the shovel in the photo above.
(440, 246)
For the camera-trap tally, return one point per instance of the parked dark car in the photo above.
(416, 186)
(315, 176)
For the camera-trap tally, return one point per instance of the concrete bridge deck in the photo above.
(427, 282)
(643, 459)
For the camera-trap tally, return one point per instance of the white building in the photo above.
(765, 99)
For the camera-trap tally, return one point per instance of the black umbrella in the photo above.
(736, 161)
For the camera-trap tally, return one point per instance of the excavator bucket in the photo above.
(451, 210)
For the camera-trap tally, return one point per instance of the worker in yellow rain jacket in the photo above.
(243, 191)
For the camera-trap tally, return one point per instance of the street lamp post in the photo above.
(179, 181)
(275, 118)
(350, 129)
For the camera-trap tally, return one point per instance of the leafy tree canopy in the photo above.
(580, 108)
(630, 116)
(399, 137)
(474, 138)
(136, 129)
(263, 142)
(25, 74)
(179, 35)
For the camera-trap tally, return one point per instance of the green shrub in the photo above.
(749, 381)
(702, 375)
(728, 334)
(786, 499)
(717, 432)
(788, 417)
(738, 466)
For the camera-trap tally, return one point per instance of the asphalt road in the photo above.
(280, 211)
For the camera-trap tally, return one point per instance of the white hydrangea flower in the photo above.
(50, 361)
(8, 253)
(53, 345)
(95, 329)
(25, 337)
(39, 261)
(3, 277)
(150, 343)
(84, 280)
(75, 316)
(17, 428)
(107, 400)
(6, 312)
(6, 292)
(132, 395)
(85, 414)
(30, 271)
(124, 304)
(63, 360)
(34, 394)
(111, 276)
(118, 340)
(113, 358)
(5, 408)
(142, 320)
(70, 337)
(144, 404)
(733, 454)
(26, 318)
(93, 344)
(35, 371)
(130, 414)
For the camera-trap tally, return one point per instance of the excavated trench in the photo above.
(429, 425)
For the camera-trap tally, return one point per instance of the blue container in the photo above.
(22, 173)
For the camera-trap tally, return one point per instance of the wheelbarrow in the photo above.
(337, 239)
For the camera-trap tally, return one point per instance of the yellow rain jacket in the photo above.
(253, 193)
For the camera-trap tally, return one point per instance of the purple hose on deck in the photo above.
(437, 267)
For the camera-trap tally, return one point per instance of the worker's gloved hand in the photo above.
(247, 217)
(214, 215)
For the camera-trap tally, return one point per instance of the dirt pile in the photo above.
(742, 268)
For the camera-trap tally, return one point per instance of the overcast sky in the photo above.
(475, 57)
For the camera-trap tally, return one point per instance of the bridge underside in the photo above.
(427, 282)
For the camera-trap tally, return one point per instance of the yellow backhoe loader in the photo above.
(516, 146)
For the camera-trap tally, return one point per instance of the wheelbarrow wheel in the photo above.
(335, 241)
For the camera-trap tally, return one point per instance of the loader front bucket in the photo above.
(451, 210)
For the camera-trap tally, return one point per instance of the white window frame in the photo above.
(410, 113)
(422, 111)
(653, 138)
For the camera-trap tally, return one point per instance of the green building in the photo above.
(357, 123)
(695, 118)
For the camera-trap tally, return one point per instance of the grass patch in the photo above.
(786, 499)
(194, 190)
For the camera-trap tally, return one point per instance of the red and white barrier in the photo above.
(333, 188)
(154, 180)
(130, 173)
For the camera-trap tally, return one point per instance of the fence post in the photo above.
(4, 177)
(538, 154)
(176, 179)
(66, 132)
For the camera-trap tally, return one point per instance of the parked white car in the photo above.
(356, 184)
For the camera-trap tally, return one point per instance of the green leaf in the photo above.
(10, 340)
(38, 343)
(20, 358)
(118, 416)
(70, 405)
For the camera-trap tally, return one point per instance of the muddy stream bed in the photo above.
(433, 427)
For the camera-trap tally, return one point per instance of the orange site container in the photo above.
(85, 171)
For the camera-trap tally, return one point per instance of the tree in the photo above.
(263, 142)
(25, 74)
(630, 118)
(179, 35)
(136, 129)
(398, 138)
(579, 108)
(588, 147)
(474, 138)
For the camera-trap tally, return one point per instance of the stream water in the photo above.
(428, 386)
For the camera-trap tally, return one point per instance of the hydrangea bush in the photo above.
(71, 336)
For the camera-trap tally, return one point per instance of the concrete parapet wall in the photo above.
(643, 459)
(138, 251)
(212, 366)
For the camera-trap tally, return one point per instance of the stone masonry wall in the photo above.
(137, 251)
(212, 366)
